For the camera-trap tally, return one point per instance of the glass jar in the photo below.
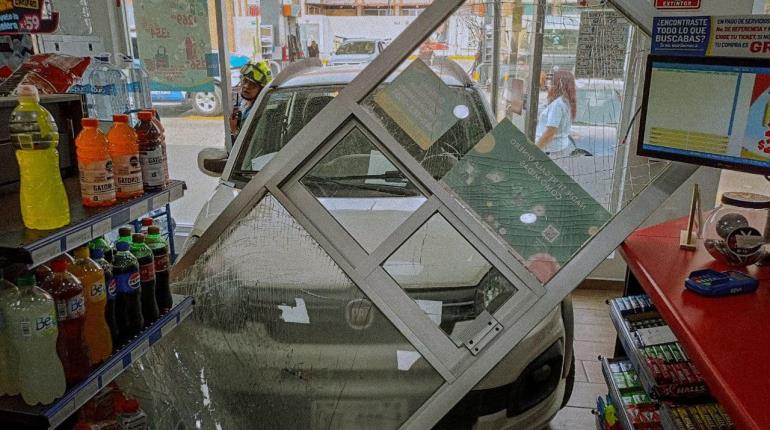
(735, 233)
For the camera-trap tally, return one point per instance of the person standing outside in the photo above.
(254, 78)
(554, 125)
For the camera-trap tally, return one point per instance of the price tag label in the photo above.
(164, 331)
(47, 252)
(186, 312)
(78, 238)
(138, 210)
(102, 227)
(176, 193)
(160, 200)
(140, 350)
(86, 393)
(62, 414)
(112, 373)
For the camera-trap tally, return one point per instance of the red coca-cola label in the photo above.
(161, 263)
(147, 272)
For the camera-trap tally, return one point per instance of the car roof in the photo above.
(343, 75)
(599, 84)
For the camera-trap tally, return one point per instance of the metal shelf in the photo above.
(665, 418)
(13, 410)
(33, 247)
(615, 396)
(696, 391)
(598, 420)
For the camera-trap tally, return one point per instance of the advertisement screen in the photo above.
(710, 111)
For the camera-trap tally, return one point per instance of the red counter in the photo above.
(727, 338)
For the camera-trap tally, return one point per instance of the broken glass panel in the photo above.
(281, 337)
(363, 190)
(447, 277)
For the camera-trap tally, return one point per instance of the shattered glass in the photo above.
(280, 338)
(447, 277)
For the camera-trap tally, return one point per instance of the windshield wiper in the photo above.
(383, 188)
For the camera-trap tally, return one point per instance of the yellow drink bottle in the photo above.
(44, 203)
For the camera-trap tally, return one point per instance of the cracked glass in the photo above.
(278, 346)
(447, 277)
(357, 183)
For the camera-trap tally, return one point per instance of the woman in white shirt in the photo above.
(555, 122)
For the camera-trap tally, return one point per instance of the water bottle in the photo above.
(138, 83)
(33, 333)
(106, 89)
(9, 357)
(44, 202)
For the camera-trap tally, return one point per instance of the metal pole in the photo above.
(224, 68)
(534, 79)
(496, 18)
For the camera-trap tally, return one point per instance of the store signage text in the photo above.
(677, 4)
(703, 36)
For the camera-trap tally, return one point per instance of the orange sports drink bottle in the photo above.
(124, 150)
(97, 185)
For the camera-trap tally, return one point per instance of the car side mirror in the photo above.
(212, 161)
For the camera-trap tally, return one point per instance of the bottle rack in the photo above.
(15, 413)
(33, 247)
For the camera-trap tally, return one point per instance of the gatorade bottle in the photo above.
(67, 292)
(147, 270)
(9, 359)
(97, 332)
(156, 121)
(33, 333)
(150, 153)
(109, 312)
(128, 304)
(160, 254)
(125, 158)
(101, 244)
(97, 185)
(44, 204)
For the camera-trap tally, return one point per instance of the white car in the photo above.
(278, 319)
(357, 51)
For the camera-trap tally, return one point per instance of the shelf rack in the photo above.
(32, 247)
(14, 412)
(615, 396)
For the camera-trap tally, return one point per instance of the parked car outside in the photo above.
(357, 51)
(595, 129)
(524, 391)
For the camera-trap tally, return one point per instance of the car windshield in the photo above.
(359, 47)
(597, 106)
(286, 111)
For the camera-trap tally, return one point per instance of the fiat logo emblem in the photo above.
(359, 314)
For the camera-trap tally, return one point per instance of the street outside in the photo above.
(186, 134)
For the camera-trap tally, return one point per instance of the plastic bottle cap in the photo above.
(120, 118)
(97, 253)
(124, 231)
(82, 252)
(146, 222)
(137, 238)
(122, 246)
(145, 116)
(26, 280)
(28, 92)
(153, 230)
(59, 265)
(89, 122)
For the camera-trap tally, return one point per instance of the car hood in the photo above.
(435, 257)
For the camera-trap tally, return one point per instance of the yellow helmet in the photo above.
(258, 72)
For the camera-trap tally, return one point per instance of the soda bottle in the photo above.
(97, 332)
(44, 203)
(147, 270)
(156, 121)
(33, 334)
(159, 249)
(109, 312)
(124, 151)
(124, 235)
(128, 304)
(101, 244)
(150, 153)
(67, 292)
(41, 272)
(147, 223)
(9, 359)
(97, 185)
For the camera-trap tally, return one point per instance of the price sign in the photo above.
(20, 16)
